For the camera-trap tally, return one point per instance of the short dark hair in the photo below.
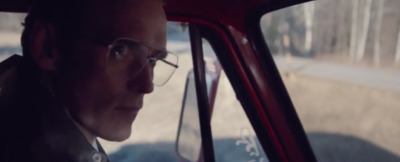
(66, 16)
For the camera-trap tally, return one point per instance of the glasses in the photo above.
(128, 56)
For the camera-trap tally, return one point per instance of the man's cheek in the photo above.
(108, 92)
(118, 84)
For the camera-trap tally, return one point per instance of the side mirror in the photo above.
(188, 141)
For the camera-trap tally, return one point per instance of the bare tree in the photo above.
(379, 15)
(397, 56)
(309, 17)
(354, 26)
(364, 30)
(341, 27)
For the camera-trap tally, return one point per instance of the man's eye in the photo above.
(119, 51)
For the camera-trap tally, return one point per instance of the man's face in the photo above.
(106, 103)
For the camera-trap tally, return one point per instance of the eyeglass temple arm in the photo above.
(169, 63)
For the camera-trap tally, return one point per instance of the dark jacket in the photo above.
(34, 126)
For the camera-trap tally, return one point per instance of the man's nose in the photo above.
(144, 80)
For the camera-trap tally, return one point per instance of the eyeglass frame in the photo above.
(151, 57)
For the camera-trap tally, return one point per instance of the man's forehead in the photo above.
(106, 10)
(115, 5)
(107, 16)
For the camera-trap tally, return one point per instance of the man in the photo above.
(85, 69)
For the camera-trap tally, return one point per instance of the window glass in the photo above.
(10, 34)
(339, 60)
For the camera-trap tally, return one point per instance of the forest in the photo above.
(354, 31)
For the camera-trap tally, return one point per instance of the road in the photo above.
(387, 79)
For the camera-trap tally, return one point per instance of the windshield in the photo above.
(339, 61)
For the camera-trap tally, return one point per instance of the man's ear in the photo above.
(44, 49)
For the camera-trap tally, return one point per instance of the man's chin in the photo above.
(116, 129)
(117, 136)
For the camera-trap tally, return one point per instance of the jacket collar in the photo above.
(62, 137)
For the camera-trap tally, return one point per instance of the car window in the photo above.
(339, 61)
(10, 34)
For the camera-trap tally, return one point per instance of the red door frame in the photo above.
(264, 87)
